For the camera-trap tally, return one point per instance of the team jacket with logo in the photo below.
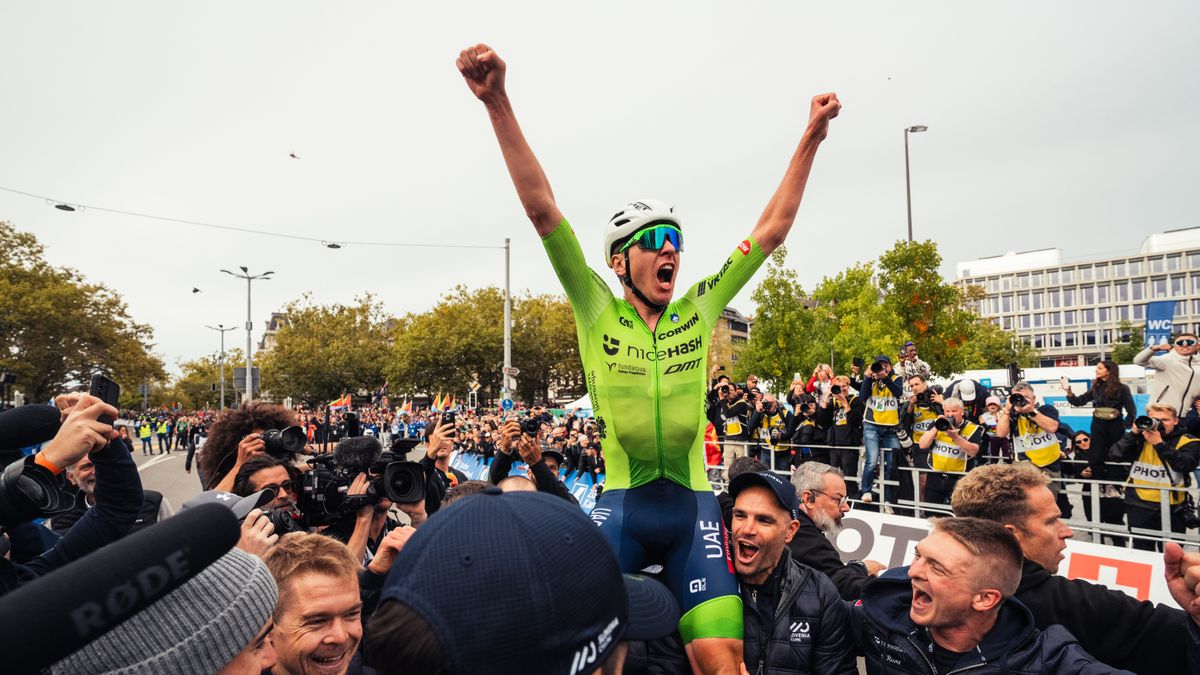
(648, 386)
(796, 623)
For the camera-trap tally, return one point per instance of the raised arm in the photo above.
(776, 220)
(483, 70)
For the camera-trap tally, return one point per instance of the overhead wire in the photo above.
(244, 230)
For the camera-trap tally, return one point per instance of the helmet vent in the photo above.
(619, 223)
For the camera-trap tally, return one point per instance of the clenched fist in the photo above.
(824, 107)
(483, 70)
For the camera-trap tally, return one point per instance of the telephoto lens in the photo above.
(835, 389)
(1017, 400)
(285, 443)
(877, 367)
(941, 424)
(1146, 423)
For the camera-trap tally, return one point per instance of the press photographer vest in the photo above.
(768, 423)
(923, 418)
(1150, 471)
(946, 455)
(839, 413)
(1034, 443)
(883, 408)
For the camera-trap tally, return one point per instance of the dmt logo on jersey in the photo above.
(799, 631)
(611, 345)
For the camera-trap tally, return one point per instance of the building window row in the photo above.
(1156, 264)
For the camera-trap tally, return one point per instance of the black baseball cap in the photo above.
(784, 491)
(483, 567)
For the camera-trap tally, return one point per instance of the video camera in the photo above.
(322, 496)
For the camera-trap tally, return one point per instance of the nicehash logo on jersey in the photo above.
(611, 345)
(800, 632)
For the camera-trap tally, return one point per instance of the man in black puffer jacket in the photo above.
(793, 619)
(952, 611)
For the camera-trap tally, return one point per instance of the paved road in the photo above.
(165, 474)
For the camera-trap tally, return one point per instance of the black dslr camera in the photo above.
(1018, 400)
(942, 424)
(835, 389)
(284, 443)
(530, 426)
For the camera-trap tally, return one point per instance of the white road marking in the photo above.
(157, 460)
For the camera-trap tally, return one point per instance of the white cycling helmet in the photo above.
(633, 217)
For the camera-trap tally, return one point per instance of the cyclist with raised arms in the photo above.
(644, 357)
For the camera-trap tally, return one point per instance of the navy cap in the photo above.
(784, 491)
(496, 563)
(558, 457)
(885, 358)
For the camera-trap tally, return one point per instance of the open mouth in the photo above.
(329, 663)
(746, 552)
(666, 274)
(921, 600)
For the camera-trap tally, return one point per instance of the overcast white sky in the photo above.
(1070, 124)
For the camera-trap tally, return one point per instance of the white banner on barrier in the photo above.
(889, 540)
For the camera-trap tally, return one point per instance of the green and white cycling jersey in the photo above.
(648, 386)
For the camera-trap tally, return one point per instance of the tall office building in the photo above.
(1071, 311)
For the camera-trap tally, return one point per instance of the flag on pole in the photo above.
(339, 404)
(407, 409)
(437, 402)
(449, 404)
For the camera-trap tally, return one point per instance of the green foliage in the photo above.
(56, 328)
(1130, 340)
(324, 351)
(461, 340)
(871, 309)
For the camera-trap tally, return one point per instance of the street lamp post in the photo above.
(907, 181)
(221, 327)
(249, 325)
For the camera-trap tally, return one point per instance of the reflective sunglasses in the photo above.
(655, 237)
(288, 485)
(1185, 342)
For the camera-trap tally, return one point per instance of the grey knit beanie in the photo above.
(197, 628)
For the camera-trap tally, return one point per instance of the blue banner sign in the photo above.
(1160, 318)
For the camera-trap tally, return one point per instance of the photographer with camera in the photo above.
(543, 464)
(30, 487)
(842, 417)
(951, 443)
(1032, 429)
(804, 428)
(910, 366)
(441, 476)
(767, 423)
(238, 434)
(734, 414)
(1163, 456)
(881, 394)
(924, 405)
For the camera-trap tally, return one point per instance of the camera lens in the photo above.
(1145, 423)
(283, 443)
(1017, 400)
(835, 389)
(941, 424)
(877, 367)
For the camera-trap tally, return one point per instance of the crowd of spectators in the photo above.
(374, 554)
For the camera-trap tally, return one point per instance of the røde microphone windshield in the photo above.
(58, 614)
(357, 453)
(28, 425)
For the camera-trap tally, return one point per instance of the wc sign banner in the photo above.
(1159, 319)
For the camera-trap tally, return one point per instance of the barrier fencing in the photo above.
(1088, 489)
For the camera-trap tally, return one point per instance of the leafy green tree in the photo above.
(989, 346)
(324, 351)
(56, 328)
(784, 328)
(1130, 340)
(932, 312)
(460, 340)
(545, 348)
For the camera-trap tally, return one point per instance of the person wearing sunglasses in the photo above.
(644, 354)
(262, 472)
(1177, 382)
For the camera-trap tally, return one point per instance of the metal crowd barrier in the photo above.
(1089, 489)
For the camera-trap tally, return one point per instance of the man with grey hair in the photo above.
(951, 442)
(1032, 429)
(823, 501)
